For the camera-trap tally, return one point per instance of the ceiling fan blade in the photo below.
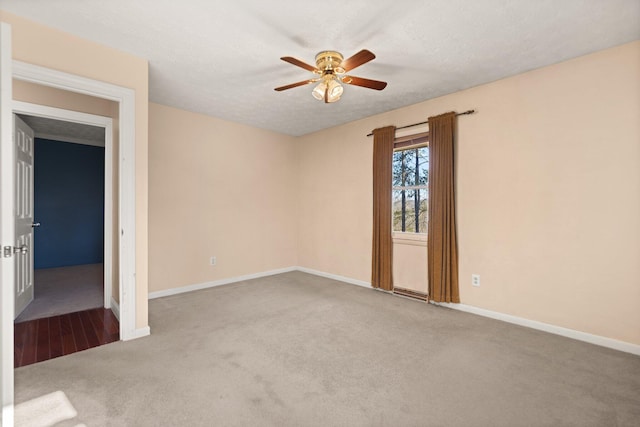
(300, 64)
(357, 60)
(368, 83)
(292, 85)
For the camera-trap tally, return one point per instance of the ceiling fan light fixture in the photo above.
(332, 88)
(330, 69)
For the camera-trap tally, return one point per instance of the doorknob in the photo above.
(35, 224)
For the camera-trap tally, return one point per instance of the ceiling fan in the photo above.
(331, 68)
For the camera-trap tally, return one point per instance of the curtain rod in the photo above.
(424, 123)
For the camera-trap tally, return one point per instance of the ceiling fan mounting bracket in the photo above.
(329, 61)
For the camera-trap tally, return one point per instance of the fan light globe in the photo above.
(335, 90)
(318, 91)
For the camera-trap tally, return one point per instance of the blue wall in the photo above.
(68, 203)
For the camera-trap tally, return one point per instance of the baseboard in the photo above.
(137, 333)
(199, 286)
(115, 308)
(546, 327)
(140, 332)
(335, 277)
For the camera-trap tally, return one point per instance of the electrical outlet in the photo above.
(475, 279)
(212, 260)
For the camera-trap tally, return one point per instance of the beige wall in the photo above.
(40, 45)
(219, 189)
(43, 95)
(409, 268)
(548, 192)
(52, 97)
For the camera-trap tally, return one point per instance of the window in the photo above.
(410, 188)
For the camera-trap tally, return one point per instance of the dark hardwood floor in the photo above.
(44, 339)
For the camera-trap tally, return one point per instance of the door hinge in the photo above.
(7, 251)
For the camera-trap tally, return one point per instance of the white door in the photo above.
(7, 230)
(23, 140)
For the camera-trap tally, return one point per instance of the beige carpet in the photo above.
(65, 290)
(300, 350)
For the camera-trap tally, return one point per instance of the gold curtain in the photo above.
(382, 256)
(442, 257)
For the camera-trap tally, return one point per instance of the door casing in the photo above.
(7, 228)
(125, 98)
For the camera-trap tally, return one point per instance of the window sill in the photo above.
(415, 239)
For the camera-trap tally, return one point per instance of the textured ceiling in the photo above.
(222, 57)
(65, 131)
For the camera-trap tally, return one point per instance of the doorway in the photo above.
(71, 191)
(77, 126)
(68, 217)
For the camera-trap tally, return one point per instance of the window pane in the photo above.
(411, 167)
(399, 213)
(409, 209)
(422, 205)
(423, 165)
(399, 169)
